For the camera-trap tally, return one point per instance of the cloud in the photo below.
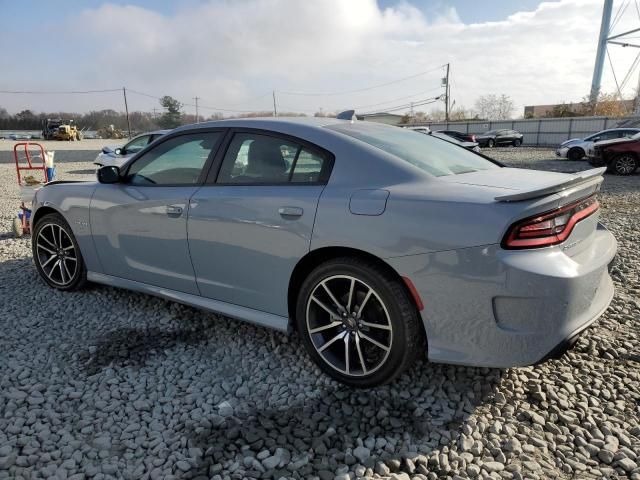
(228, 53)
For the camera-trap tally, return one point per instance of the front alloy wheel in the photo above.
(358, 322)
(56, 254)
(625, 164)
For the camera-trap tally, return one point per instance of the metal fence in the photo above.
(541, 131)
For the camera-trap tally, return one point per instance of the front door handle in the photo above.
(174, 210)
(290, 211)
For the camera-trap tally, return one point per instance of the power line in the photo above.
(627, 77)
(621, 10)
(186, 104)
(398, 99)
(614, 75)
(347, 92)
(59, 92)
(417, 103)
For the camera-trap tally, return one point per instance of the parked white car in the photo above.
(115, 157)
(577, 148)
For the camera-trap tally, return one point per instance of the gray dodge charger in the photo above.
(378, 245)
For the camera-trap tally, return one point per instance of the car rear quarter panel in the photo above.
(422, 215)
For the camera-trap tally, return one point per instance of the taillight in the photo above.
(549, 228)
(473, 138)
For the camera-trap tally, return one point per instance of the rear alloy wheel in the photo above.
(491, 143)
(56, 254)
(358, 322)
(575, 154)
(624, 164)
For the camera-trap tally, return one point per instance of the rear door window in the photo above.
(256, 159)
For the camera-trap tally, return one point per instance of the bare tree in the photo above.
(494, 107)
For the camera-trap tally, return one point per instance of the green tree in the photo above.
(172, 117)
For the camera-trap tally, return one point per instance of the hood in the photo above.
(571, 141)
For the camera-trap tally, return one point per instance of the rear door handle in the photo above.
(290, 211)
(174, 210)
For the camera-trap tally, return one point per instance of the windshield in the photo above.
(429, 154)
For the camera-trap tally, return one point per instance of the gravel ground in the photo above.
(106, 383)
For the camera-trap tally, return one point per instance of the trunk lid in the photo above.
(521, 184)
(531, 192)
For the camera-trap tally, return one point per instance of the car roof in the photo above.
(262, 122)
(154, 132)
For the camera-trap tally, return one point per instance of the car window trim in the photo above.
(214, 172)
(164, 138)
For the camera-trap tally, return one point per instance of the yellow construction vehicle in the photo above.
(69, 132)
(58, 129)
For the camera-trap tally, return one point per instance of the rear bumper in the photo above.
(486, 306)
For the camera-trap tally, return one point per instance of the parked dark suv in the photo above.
(621, 155)
(493, 138)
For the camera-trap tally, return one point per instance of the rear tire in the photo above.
(366, 303)
(575, 153)
(624, 164)
(57, 255)
(517, 142)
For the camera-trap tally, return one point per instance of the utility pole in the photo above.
(602, 50)
(126, 108)
(155, 112)
(446, 96)
(197, 117)
(275, 111)
(636, 107)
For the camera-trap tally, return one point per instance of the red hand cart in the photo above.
(34, 159)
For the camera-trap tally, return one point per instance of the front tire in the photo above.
(624, 164)
(575, 153)
(57, 255)
(491, 143)
(358, 322)
(517, 142)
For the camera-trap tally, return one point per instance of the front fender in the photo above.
(72, 201)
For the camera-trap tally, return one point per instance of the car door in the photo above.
(252, 221)
(502, 136)
(139, 225)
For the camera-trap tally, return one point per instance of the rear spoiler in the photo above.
(588, 176)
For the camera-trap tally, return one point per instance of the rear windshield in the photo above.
(428, 153)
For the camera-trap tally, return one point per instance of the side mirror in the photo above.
(118, 151)
(109, 174)
(597, 139)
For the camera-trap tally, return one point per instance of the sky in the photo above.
(322, 54)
